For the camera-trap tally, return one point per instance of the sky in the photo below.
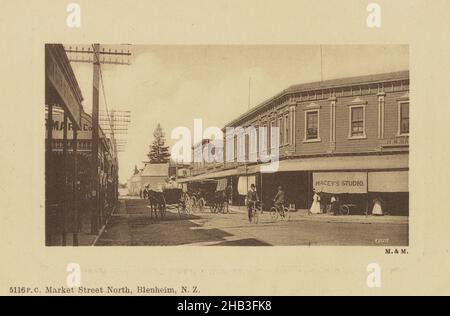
(173, 85)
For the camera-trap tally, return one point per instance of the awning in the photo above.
(340, 182)
(61, 86)
(388, 181)
(244, 184)
(371, 162)
(223, 174)
(200, 177)
(210, 175)
(245, 170)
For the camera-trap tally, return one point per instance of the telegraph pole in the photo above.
(321, 64)
(249, 89)
(97, 56)
(95, 141)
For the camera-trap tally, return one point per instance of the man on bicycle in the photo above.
(252, 199)
(278, 201)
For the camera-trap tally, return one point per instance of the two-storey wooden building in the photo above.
(347, 137)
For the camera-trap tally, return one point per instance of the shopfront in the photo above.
(296, 185)
(349, 187)
(362, 189)
(392, 189)
(62, 97)
(354, 180)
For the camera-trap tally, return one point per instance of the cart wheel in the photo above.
(187, 207)
(287, 214)
(194, 204)
(255, 217)
(180, 209)
(344, 209)
(201, 204)
(274, 213)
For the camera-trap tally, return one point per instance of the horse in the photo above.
(157, 203)
(219, 199)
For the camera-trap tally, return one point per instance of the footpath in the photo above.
(302, 215)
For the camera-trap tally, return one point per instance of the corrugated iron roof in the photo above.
(155, 170)
(341, 82)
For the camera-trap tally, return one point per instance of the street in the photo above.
(131, 225)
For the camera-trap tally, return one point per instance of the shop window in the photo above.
(262, 141)
(312, 126)
(229, 148)
(253, 144)
(241, 147)
(403, 109)
(357, 122)
(280, 127)
(286, 129)
(273, 135)
(235, 140)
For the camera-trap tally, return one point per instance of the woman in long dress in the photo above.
(377, 207)
(315, 206)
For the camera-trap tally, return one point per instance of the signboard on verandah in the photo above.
(340, 182)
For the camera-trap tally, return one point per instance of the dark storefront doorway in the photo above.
(296, 185)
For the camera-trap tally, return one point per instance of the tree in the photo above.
(136, 170)
(159, 153)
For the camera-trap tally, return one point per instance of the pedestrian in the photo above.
(335, 205)
(252, 199)
(315, 206)
(279, 200)
(145, 193)
(229, 194)
(377, 207)
(140, 192)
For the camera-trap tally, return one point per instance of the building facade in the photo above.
(347, 137)
(155, 176)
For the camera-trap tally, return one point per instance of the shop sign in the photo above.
(400, 141)
(340, 182)
(58, 127)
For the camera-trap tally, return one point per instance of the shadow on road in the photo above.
(243, 242)
(133, 226)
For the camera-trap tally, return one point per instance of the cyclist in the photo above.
(252, 199)
(278, 201)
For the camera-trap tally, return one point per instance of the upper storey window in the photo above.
(312, 125)
(357, 119)
(403, 109)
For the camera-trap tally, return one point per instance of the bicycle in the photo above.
(276, 213)
(254, 213)
(201, 203)
(184, 207)
(219, 206)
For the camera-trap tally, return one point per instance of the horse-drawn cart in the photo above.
(176, 198)
(167, 198)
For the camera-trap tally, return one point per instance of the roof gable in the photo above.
(155, 170)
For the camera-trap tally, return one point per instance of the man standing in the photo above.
(145, 193)
(252, 199)
(279, 200)
(335, 205)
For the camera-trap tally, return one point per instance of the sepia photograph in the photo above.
(226, 145)
(222, 155)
